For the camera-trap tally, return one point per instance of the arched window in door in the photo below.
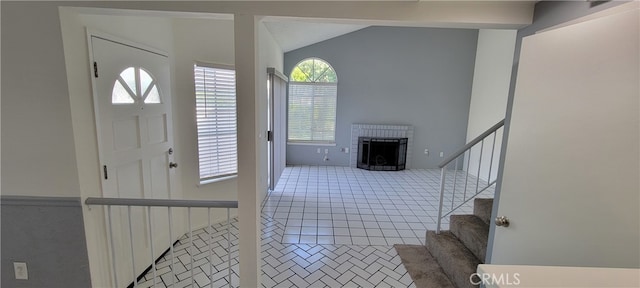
(134, 84)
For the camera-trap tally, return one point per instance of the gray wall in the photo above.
(48, 234)
(397, 75)
(546, 14)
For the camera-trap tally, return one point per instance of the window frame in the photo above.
(312, 141)
(210, 178)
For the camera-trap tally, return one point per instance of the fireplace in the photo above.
(382, 153)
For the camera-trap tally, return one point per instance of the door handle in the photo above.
(502, 221)
(173, 165)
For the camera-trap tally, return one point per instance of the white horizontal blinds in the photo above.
(313, 91)
(216, 121)
(312, 111)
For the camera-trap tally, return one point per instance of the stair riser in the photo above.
(472, 232)
(482, 208)
(455, 259)
(426, 271)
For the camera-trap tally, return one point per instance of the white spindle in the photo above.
(113, 250)
(133, 257)
(229, 243)
(210, 240)
(466, 178)
(190, 244)
(173, 270)
(493, 148)
(479, 167)
(442, 178)
(455, 175)
(153, 257)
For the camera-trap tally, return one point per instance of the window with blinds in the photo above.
(313, 90)
(215, 88)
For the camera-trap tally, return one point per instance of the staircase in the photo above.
(459, 251)
(450, 258)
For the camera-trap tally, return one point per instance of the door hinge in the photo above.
(269, 135)
(106, 175)
(95, 69)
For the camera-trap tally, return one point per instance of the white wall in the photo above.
(491, 79)
(38, 152)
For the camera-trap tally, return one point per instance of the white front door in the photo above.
(570, 184)
(132, 98)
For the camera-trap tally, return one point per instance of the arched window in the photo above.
(135, 85)
(313, 91)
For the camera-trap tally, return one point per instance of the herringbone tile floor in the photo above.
(284, 265)
(322, 227)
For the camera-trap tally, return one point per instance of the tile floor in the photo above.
(322, 227)
(342, 205)
(284, 265)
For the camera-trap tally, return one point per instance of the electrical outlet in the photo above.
(20, 269)
(346, 150)
(426, 152)
(318, 151)
(441, 154)
(326, 151)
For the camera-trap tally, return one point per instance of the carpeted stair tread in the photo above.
(455, 259)
(472, 232)
(482, 208)
(422, 267)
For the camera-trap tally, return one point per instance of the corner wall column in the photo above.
(246, 56)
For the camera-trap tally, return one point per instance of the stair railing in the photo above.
(121, 213)
(464, 156)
